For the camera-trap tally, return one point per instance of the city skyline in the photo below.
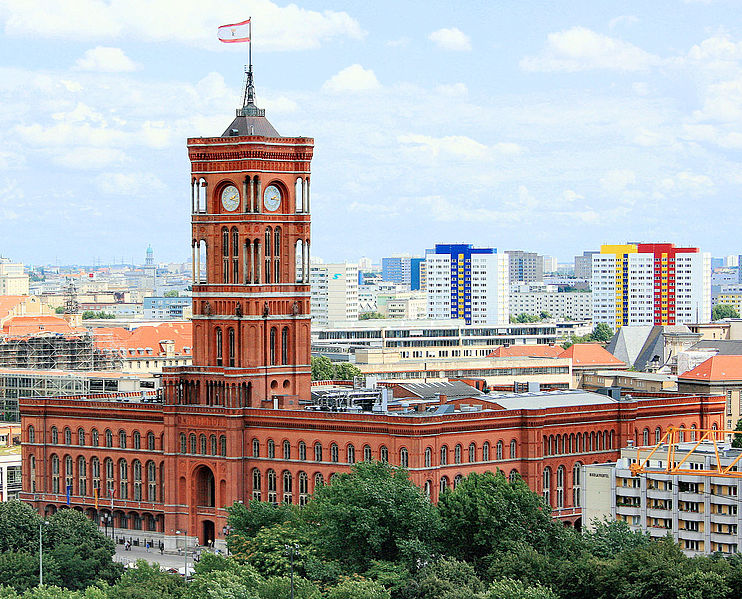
(599, 124)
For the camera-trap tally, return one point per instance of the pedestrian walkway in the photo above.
(153, 556)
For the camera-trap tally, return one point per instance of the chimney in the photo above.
(442, 398)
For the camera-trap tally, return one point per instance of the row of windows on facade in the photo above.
(350, 453)
(571, 443)
(260, 261)
(681, 433)
(251, 189)
(136, 438)
(232, 349)
(150, 485)
(191, 445)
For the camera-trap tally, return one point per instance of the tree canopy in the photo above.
(721, 311)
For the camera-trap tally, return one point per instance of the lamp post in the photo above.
(290, 551)
(42, 523)
(185, 552)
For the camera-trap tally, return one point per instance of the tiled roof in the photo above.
(8, 302)
(19, 326)
(590, 354)
(527, 351)
(147, 340)
(718, 368)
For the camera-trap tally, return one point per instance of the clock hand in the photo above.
(233, 196)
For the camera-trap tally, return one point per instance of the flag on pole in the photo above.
(96, 498)
(234, 33)
(69, 492)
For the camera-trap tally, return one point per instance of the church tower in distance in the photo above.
(251, 310)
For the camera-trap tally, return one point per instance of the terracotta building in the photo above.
(241, 422)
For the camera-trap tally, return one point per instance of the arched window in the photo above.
(443, 484)
(55, 474)
(288, 487)
(212, 444)
(384, 454)
(223, 446)
(82, 477)
(192, 443)
(498, 450)
(302, 451)
(151, 481)
(109, 438)
(428, 457)
(271, 449)
(122, 439)
(273, 346)
(235, 256)
(318, 480)
(472, 452)
(55, 436)
(318, 452)
(681, 434)
(137, 439)
(286, 450)
(692, 432)
(456, 480)
(285, 345)
(404, 458)
(367, 453)
(334, 455)
(486, 451)
(513, 449)
(303, 488)
(256, 483)
(427, 488)
(136, 466)
(645, 437)
(80, 437)
(546, 485)
(560, 487)
(255, 448)
(268, 255)
(150, 441)
(577, 484)
(457, 454)
(68, 471)
(202, 444)
(31, 434)
(95, 473)
(123, 480)
(444, 455)
(657, 435)
(109, 477)
(351, 453)
(219, 350)
(277, 253)
(225, 255)
(513, 476)
(94, 437)
(67, 436)
(231, 347)
(183, 443)
(271, 482)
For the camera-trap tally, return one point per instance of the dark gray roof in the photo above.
(451, 389)
(250, 125)
(726, 347)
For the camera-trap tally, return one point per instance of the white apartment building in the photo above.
(534, 298)
(650, 284)
(468, 283)
(13, 280)
(334, 293)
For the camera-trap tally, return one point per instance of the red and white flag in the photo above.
(237, 32)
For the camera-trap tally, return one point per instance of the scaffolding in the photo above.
(55, 351)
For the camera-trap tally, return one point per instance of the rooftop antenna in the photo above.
(248, 98)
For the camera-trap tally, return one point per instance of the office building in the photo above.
(166, 308)
(536, 298)
(651, 283)
(467, 283)
(334, 293)
(525, 267)
(402, 270)
(584, 265)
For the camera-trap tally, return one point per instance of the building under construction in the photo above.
(46, 351)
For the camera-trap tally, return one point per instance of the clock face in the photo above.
(272, 198)
(230, 198)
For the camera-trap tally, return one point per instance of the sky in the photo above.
(543, 126)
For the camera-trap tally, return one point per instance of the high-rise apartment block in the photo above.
(13, 279)
(403, 270)
(334, 293)
(525, 267)
(467, 283)
(584, 265)
(651, 284)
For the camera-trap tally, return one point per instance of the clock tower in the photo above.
(251, 317)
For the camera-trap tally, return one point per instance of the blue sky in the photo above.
(546, 126)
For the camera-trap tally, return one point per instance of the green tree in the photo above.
(702, 585)
(345, 371)
(444, 577)
(322, 369)
(486, 513)
(514, 589)
(19, 526)
(737, 440)
(266, 552)
(278, 588)
(602, 332)
(544, 315)
(146, 581)
(607, 538)
(88, 314)
(351, 588)
(248, 519)
(59, 310)
(371, 316)
(172, 293)
(373, 513)
(20, 570)
(722, 311)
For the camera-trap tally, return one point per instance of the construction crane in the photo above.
(673, 438)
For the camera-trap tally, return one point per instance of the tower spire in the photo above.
(248, 98)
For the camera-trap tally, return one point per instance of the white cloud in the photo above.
(451, 39)
(580, 49)
(617, 180)
(352, 79)
(281, 27)
(106, 60)
(89, 157)
(401, 42)
(452, 90)
(454, 145)
(686, 182)
(128, 184)
(622, 20)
